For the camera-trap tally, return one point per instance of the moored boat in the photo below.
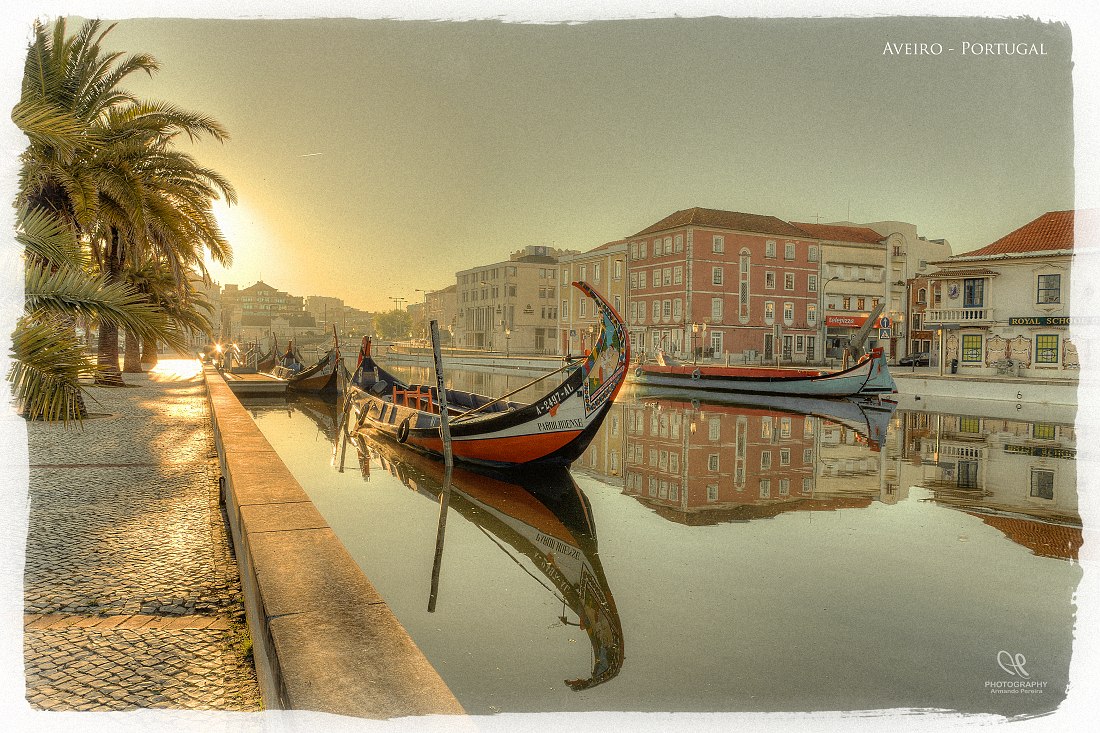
(871, 376)
(556, 428)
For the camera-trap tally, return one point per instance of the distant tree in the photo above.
(393, 326)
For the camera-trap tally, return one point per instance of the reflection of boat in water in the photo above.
(543, 515)
(869, 417)
(321, 412)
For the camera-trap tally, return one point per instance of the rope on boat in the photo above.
(514, 391)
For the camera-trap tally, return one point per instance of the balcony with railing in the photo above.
(975, 316)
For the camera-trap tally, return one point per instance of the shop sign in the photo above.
(1039, 321)
(855, 321)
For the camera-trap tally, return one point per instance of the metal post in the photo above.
(448, 464)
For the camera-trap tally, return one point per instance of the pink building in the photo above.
(717, 285)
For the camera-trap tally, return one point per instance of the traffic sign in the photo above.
(884, 333)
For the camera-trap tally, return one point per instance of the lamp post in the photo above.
(696, 329)
(508, 342)
(824, 326)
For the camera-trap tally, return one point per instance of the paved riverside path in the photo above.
(132, 597)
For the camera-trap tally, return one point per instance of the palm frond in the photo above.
(47, 238)
(48, 363)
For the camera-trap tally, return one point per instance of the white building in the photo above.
(1004, 308)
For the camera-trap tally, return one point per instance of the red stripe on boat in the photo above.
(514, 449)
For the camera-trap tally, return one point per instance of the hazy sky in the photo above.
(374, 157)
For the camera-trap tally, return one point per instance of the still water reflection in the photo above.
(749, 556)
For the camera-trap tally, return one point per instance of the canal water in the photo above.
(708, 557)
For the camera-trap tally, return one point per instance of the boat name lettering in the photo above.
(553, 399)
(557, 545)
(560, 424)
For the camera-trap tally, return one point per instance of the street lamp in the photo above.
(824, 326)
(696, 329)
(508, 342)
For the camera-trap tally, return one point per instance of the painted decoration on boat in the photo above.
(604, 369)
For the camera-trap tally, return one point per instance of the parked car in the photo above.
(920, 358)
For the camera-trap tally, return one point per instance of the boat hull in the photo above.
(870, 377)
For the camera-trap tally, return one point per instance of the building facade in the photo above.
(721, 285)
(510, 306)
(1004, 308)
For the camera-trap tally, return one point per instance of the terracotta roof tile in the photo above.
(969, 272)
(718, 219)
(1051, 231)
(839, 233)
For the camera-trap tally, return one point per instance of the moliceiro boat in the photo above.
(498, 432)
(870, 376)
(323, 378)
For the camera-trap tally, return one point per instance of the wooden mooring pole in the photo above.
(448, 465)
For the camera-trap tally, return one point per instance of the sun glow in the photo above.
(175, 370)
(252, 241)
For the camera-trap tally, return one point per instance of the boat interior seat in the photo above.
(379, 387)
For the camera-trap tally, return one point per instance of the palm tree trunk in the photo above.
(149, 354)
(109, 374)
(132, 358)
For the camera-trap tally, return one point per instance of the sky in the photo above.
(376, 157)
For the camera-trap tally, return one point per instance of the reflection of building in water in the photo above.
(706, 463)
(1018, 476)
(604, 455)
(850, 466)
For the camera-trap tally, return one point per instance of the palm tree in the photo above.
(111, 172)
(49, 359)
(186, 307)
(74, 200)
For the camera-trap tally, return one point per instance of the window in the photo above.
(769, 281)
(583, 310)
(678, 243)
(666, 276)
(765, 488)
(719, 244)
(565, 309)
(811, 283)
(712, 492)
(922, 296)
(799, 344)
(1049, 289)
(769, 311)
(716, 309)
(918, 322)
(937, 294)
(973, 292)
(677, 309)
(846, 303)
(972, 348)
(714, 429)
(716, 275)
(641, 250)
(716, 342)
(967, 475)
(656, 311)
(642, 280)
(788, 251)
(769, 248)
(617, 273)
(860, 303)
(765, 460)
(970, 424)
(712, 462)
(1043, 431)
(633, 250)
(788, 281)
(1042, 484)
(811, 314)
(784, 486)
(596, 272)
(666, 309)
(678, 275)
(788, 313)
(784, 456)
(668, 245)
(811, 253)
(633, 312)
(1046, 349)
(633, 281)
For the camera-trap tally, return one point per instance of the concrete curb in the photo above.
(323, 638)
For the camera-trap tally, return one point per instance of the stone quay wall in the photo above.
(323, 638)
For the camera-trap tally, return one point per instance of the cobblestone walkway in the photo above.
(132, 597)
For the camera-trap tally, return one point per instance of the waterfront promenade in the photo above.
(132, 596)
